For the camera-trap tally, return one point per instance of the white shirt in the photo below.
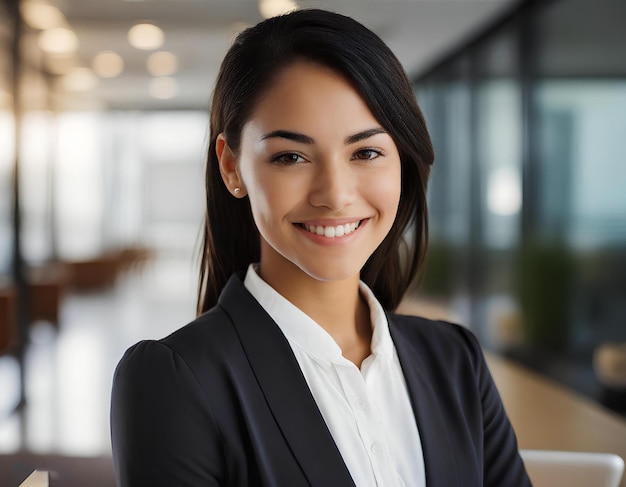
(367, 411)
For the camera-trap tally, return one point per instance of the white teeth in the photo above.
(332, 232)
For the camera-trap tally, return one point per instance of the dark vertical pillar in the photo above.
(531, 191)
(18, 267)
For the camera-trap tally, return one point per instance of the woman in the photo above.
(316, 223)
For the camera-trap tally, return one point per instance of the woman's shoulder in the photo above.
(438, 335)
(209, 326)
(429, 327)
(208, 335)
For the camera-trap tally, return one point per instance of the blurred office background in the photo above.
(527, 200)
(101, 187)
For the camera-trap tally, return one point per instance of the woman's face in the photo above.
(322, 175)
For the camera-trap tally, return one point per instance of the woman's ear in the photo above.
(229, 168)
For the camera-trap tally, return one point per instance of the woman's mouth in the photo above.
(330, 231)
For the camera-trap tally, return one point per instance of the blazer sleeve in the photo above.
(503, 465)
(162, 429)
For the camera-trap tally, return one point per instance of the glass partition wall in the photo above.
(528, 190)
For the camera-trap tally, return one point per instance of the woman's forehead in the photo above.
(308, 97)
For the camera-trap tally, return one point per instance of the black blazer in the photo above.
(222, 402)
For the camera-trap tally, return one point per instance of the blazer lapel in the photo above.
(285, 388)
(437, 445)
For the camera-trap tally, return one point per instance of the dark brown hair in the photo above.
(231, 239)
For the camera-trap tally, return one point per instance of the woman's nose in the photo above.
(333, 186)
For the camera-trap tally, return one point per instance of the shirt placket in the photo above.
(369, 424)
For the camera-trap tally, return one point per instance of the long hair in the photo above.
(230, 239)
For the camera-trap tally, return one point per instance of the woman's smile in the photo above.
(331, 233)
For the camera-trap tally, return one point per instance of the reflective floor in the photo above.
(68, 371)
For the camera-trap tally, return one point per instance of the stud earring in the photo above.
(237, 191)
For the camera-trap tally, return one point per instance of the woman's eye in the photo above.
(288, 158)
(366, 154)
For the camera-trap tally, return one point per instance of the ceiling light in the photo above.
(80, 79)
(145, 36)
(163, 88)
(272, 8)
(162, 63)
(108, 64)
(58, 40)
(41, 15)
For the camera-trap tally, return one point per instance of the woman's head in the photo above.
(258, 56)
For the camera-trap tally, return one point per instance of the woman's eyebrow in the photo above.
(352, 139)
(286, 134)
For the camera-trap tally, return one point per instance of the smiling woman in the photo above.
(313, 155)
(297, 372)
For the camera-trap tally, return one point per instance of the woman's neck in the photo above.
(336, 306)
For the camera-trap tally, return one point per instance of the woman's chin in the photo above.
(331, 273)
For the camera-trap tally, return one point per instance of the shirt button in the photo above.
(377, 448)
(361, 405)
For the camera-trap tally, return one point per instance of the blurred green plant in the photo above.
(545, 273)
(438, 277)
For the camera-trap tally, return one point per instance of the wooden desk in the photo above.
(547, 416)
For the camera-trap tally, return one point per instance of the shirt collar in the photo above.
(302, 331)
